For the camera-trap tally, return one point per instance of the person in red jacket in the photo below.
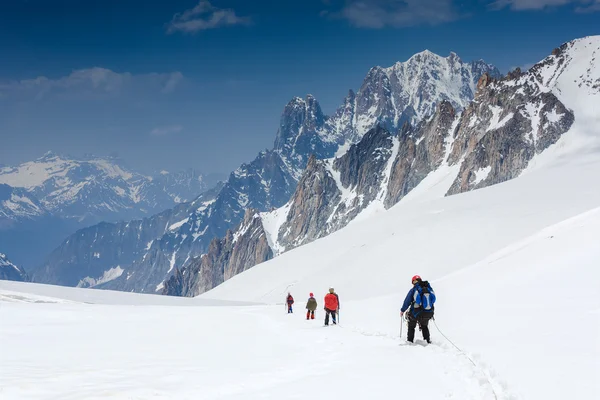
(332, 304)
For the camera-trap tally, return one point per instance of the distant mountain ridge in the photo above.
(94, 188)
(268, 181)
(43, 201)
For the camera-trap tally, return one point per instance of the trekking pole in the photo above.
(401, 325)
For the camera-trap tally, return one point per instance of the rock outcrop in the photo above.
(225, 258)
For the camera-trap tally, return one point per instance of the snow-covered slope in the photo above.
(9, 271)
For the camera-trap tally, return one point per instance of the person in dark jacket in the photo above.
(415, 313)
(332, 304)
(311, 307)
(290, 301)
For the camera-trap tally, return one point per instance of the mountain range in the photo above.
(510, 121)
(385, 98)
(53, 196)
(416, 123)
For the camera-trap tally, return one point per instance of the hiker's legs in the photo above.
(326, 317)
(334, 316)
(423, 323)
(412, 324)
(312, 315)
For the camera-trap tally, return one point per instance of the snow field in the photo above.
(74, 351)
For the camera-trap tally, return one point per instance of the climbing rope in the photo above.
(468, 357)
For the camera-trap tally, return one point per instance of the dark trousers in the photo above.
(290, 309)
(310, 314)
(332, 312)
(423, 320)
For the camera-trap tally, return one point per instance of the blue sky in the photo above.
(189, 83)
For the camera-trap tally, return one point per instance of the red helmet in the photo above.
(416, 278)
(311, 295)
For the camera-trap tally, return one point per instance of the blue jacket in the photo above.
(408, 302)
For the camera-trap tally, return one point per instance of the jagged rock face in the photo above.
(315, 197)
(402, 179)
(509, 122)
(374, 102)
(249, 247)
(422, 150)
(341, 125)
(331, 193)
(224, 259)
(362, 161)
(10, 272)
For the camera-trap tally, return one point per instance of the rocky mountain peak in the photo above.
(444, 107)
(49, 155)
(302, 132)
(484, 81)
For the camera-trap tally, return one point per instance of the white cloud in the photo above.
(395, 13)
(91, 81)
(166, 130)
(174, 79)
(520, 5)
(205, 16)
